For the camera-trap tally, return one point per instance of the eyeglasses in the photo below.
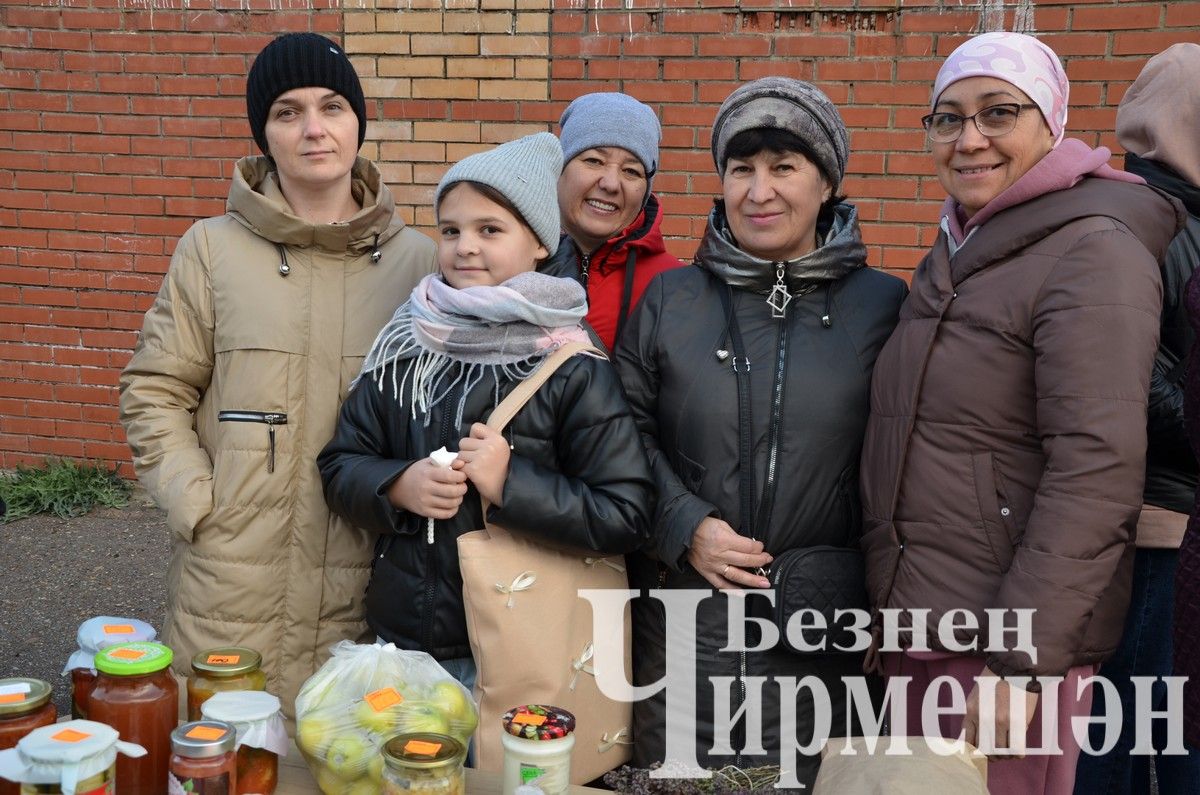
(992, 121)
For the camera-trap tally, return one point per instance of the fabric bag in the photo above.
(825, 579)
(531, 634)
(922, 771)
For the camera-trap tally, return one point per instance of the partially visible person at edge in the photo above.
(261, 324)
(1158, 124)
(1005, 453)
(569, 468)
(612, 222)
(781, 273)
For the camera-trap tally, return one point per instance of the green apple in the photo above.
(421, 716)
(315, 731)
(381, 722)
(452, 699)
(375, 769)
(349, 754)
(362, 786)
(329, 782)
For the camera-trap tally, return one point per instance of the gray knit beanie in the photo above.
(784, 103)
(611, 119)
(526, 172)
(300, 60)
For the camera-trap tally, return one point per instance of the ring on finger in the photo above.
(724, 570)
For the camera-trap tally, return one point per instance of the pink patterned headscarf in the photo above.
(1014, 58)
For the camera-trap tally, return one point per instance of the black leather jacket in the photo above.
(577, 476)
(1171, 471)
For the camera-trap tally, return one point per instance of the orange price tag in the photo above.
(224, 659)
(382, 699)
(205, 733)
(422, 748)
(127, 654)
(12, 698)
(69, 736)
(529, 719)
(118, 629)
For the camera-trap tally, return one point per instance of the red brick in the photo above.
(1122, 17)
(738, 46)
(809, 44)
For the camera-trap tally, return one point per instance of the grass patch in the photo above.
(63, 487)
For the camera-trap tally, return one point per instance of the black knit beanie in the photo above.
(300, 60)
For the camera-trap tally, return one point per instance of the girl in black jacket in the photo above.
(569, 468)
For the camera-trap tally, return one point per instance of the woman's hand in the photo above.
(723, 557)
(1007, 735)
(429, 490)
(483, 456)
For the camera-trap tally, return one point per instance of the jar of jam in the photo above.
(81, 752)
(425, 763)
(203, 759)
(136, 695)
(24, 706)
(537, 742)
(261, 736)
(219, 670)
(94, 635)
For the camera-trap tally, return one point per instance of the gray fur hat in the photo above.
(526, 172)
(611, 119)
(785, 103)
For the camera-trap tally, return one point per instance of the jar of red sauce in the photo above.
(203, 758)
(94, 635)
(136, 695)
(24, 706)
(220, 670)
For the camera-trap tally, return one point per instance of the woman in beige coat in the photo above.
(260, 326)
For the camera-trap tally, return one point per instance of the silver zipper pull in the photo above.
(271, 454)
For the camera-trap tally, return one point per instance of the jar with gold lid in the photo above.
(423, 763)
(24, 706)
(220, 670)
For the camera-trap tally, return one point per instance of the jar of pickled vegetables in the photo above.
(81, 752)
(537, 741)
(95, 635)
(261, 736)
(423, 763)
(24, 706)
(219, 670)
(203, 760)
(136, 695)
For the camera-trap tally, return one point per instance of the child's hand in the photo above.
(483, 456)
(427, 489)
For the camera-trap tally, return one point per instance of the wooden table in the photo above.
(294, 779)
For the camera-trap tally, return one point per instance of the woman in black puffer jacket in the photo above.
(784, 254)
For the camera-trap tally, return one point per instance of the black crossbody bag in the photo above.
(824, 579)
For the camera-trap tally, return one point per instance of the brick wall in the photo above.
(120, 121)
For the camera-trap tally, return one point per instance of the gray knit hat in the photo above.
(784, 103)
(526, 172)
(611, 119)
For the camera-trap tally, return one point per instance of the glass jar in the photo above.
(261, 736)
(537, 742)
(24, 706)
(423, 762)
(203, 759)
(94, 635)
(219, 670)
(81, 751)
(136, 695)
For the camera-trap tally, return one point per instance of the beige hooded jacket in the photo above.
(261, 324)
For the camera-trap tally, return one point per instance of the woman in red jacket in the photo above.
(612, 223)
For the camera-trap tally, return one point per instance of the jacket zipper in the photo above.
(449, 407)
(269, 418)
(585, 262)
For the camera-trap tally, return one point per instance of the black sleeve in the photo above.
(679, 510)
(602, 495)
(357, 465)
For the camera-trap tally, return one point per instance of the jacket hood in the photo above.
(842, 252)
(644, 236)
(1151, 215)
(1151, 119)
(1162, 176)
(256, 201)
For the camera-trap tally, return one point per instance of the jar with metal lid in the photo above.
(222, 669)
(261, 736)
(136, 695)
(537, 742)
(77, 756)
(203, 759)
(24, 706)
(95, 635)
(425, 763)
